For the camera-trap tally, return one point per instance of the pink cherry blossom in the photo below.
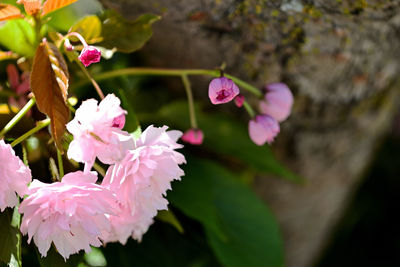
(239, 100)
(97, 132)
(193, 136)
(140, 182)
(277, 102)
(222, 90)
(72, 214)
(262, 129)
(14, 177)
(89, 55)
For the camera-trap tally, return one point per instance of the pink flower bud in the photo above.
(278, 101)
(239, 99)
(119, 122)
(193, 136)
(13, 76)
(89, 55)
(222, 90)
(262, 129)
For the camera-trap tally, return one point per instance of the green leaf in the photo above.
(132, 123)
(10, 241)
(53, 258)
(90, 29)
(251, 233)
(162, 246)
(229, 137)
(18, 36)
(169, 217)
(126, 36)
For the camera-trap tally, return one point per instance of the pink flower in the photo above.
(239, 100)
(14, 177)
(278, 101)
(20, 85)
(262, 129)
(140, 182)
(97, 132)
(72, 213)
(193, 136)
(89, 55)
(222, 90)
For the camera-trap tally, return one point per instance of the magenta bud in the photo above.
(222, 90)
(89, 55)
(239, 99)
(193, 136)
(262, 129)
(278, 101)
(119, 122)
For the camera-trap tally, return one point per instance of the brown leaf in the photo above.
(51, 5)
(32, 7)
(49, 83)
(9, 12)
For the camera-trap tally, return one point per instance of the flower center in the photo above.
(221, 95)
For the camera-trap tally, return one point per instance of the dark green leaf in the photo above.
(18, 36)
(251, 233)
(162, 246)
(169, 217)
(53, 258)
(126, 36)
(10, 241)
(131, 124)
(228, 136)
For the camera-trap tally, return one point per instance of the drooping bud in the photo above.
(89, 55)
(239, 100)
(277, 102)
(193, 136)
(262, 129)
(222, 90)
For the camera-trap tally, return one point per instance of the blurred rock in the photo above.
(341, 59)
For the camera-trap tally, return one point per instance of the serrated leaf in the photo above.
(32, 7)
(52, 5)
(9, 12)
(251, 232)
(49, 83)
(10, 240)
(18, 36)
(126, 36)
(90, 29)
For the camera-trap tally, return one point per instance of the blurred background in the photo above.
(341, 61)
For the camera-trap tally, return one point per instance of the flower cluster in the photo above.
(263, 128)
(275, 108)
(78, 212)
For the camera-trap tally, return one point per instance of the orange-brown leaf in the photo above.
(49, 83)
(32, 7)
(51, 5)
(9, 12)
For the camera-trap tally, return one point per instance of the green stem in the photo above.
(86, 72)
(60, 164)
(38, 127)
(18, 117)
(171, 72)
(38, 27)
(249, 109)
(192, 114)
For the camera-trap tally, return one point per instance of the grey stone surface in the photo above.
(341, 58)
